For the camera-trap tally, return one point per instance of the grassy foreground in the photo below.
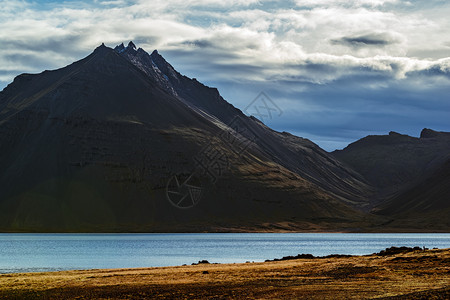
(409, 275)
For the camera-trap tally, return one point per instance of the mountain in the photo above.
(412, 177)
(426, 203)
(106, 143)
(121, 142)
(394, 162)
(298, 155)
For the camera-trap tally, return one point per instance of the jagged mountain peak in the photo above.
(119, 48)
(131, 45)
(154, 65)
(130, 48)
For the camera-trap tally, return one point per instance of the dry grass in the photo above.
(414, 275)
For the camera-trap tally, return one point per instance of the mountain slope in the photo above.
(426, 203)
(103, 144)
(411, 175)
(94, 146)
(394, 162)
(298, 155)
(431, 194)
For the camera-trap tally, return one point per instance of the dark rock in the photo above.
(397, 250)
(203, 262)
(299, 256)
(336, 256)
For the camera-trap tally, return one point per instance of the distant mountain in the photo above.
(412, 177)
(394, 162)
(433, 193)
(426, 203)
(95, 146)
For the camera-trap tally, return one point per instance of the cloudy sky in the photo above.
(338, 69)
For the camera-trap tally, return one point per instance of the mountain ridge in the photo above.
(94, 146)
(209, 101)
(101, 139)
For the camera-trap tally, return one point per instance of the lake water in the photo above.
(51, 252)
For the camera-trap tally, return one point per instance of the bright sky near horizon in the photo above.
(338, 69)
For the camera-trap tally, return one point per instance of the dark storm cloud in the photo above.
(343, 110)
(63, 44)
(212, 55)
(139, 40)
(435, 70)
(219, 65)
(339, 112)
(221, 45)
(38, 62)
(318, 67)
(366, 40)
(311, 73)
(199, 43)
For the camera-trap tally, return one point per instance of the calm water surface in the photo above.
(50, 252)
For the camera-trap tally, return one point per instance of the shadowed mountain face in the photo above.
(431, 194)
(395, 161)
(94, 146)
(298, 155)
(426, 202)
(106, 143)
(411, 175)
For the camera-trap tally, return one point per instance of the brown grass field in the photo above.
(412, 275)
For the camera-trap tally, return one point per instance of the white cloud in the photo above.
(347, 3)
(281, 39)
(245, 43)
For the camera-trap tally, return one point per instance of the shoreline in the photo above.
(299, 256)
(412, 231)
(412, 273)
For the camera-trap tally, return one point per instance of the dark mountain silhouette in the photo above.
(393, 162)
(93, 147)
(425, 205)
(104, 143)
(296, 154)
(411, 175)
(431, 194)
